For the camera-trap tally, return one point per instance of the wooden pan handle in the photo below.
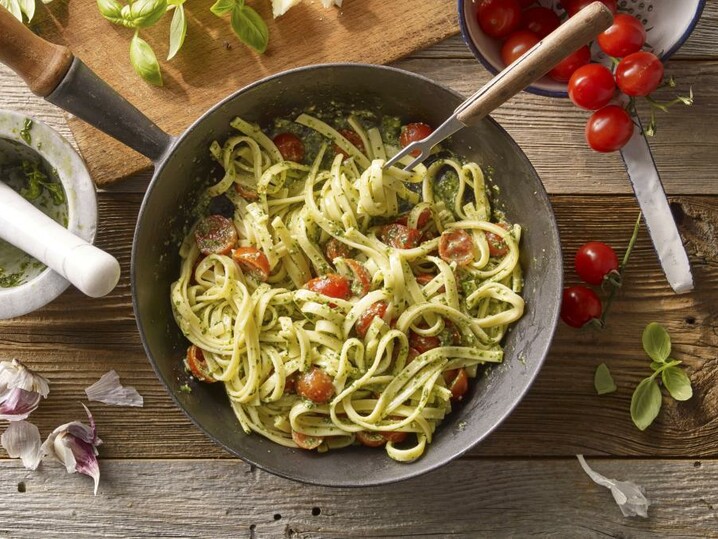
(42, 65)
(536, 62)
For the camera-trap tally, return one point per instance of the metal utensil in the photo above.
(651, 197)
(534, 64)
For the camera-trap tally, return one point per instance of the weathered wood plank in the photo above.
(469, 498)
(561, 415)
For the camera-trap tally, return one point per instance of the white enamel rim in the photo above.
(81, 209)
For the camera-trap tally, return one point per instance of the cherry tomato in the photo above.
(197, 365)
(362, 279)
(306, 442)
(395, 436)
(413, 354)
(215, 235)
(315, 385)
(540, 20)
(378, 309)
(525, 3)
(252, 261)
(458, 382)
(564, 69)
(412, 133)
(497, 245)
(498, 18)
(639, 73)
(423, 343)
(452, 332)
(609, 129)
(574, 6)
(336, 249)
(370, 439)
(457, 246)
(421, 221)
(247, 193)
(594, 261)
(625, 36)
(400, 236)
(579, 305)
(591, 86)
(290, 383)
(517, 44)
(424, 278)
(353, 137)
(289, 145)
(331, 284)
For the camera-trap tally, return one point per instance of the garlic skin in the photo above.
(22, 440)
(75, 446)
(20, 390)
(109, 390)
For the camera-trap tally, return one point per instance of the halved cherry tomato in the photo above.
(498, 18)
(247, 193)
(423, 343)
(574, 6)
(370, 439)
(315, 385)
(625, 36)
(497, 245)
(290, 383)
(197, 365)
(215, 235)
(336, 249)
(457, 246)
(639, 73)
(362, 279)
(289, 145)
(564, 69)
(378, 309)
(517, 44)
(540, 20)
(421, 221)
(331, 284)
(458, 382)
(424, 278)
(400, 236)
(609, 129)
(413, 132)
(412, 355)
(353, 137)
(579, 306)
(395, 437)
(252, 261)
(591, 86)
(306, 442)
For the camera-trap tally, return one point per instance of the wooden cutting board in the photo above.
(213, 63)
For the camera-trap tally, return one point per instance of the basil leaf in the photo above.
(603, 381)
(655, 365)
(111, 10)
(646, 403)
(677, 383)
(144, 61)
(656, 342)
(178, 31)
(28, 8)
(144, 13)
(13, 7)
(250, 28)
(222, 7)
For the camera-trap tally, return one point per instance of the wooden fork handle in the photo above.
(536, 62)
(41, 64)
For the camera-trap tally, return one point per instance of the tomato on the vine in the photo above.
(574, 6)
(565, 68)
(540, 20)
(591, 86)
(595, 261)
(609, 129)
(625, 36)
(498, 18)
(579, 306)
(639, 73)
(517, 44)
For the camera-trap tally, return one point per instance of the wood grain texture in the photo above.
(75, 340)
(214, 63)
(466, 499)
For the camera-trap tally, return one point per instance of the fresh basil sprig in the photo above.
(647, 399)
(246, 23)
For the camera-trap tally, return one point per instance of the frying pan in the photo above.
(182, 170)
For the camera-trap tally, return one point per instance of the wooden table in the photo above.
(162, 477)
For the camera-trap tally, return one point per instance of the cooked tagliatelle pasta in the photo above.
(340, 302)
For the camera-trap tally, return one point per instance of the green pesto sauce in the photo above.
(40, 185)
(447, 188)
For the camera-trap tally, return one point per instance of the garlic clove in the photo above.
(22, 440)
(17, 404)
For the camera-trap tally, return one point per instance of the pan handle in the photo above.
(52, 72)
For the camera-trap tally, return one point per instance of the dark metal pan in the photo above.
(182, 168)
